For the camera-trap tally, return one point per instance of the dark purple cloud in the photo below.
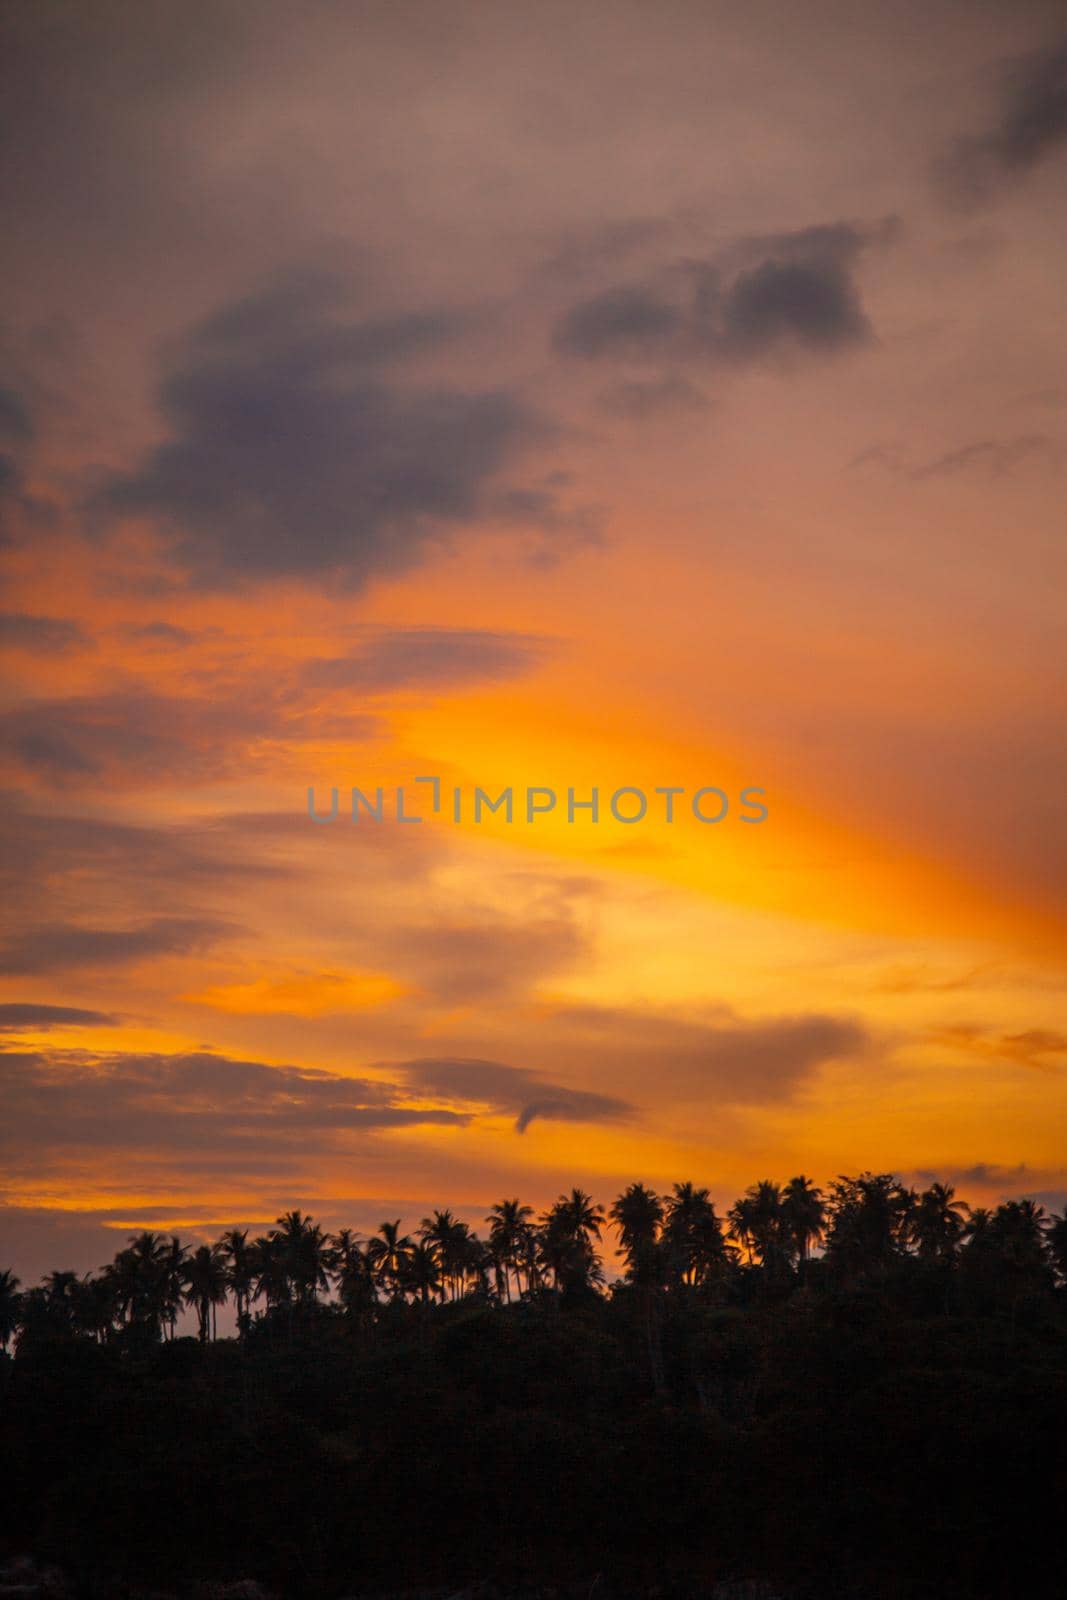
(723, 1058)
(300, 444)
(19, 1015)
(428, 659)
(775, 293)
(66, 947)
(1030, 126)
(47, 635)
(511, 1089)
(196, 1105)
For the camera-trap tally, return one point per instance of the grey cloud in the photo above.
(49, 635)
(427, 658)
(17, 1015)
(601, 245)
(163, 633)
(46, 847)
(621, 321)
(992, 1172)
(511, 1089)
(814, 303)
(16, 430)
(62, 947)
(152, 737)
(762, 295)
(739, 1062)
(61, 865)
(1030, 126)
(192, 1104)
(670, 396)
(996, 457)
(157, 737)
(1041, 1049)
(488, 960)
(15, 422)
(993, 458)
(33, 1239)
(298, 447)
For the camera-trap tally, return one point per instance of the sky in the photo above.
(615, 396)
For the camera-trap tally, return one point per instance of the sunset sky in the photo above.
(558, 395)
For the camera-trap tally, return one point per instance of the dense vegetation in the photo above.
(858, 1394)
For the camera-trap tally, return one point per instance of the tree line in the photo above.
(670, 1245)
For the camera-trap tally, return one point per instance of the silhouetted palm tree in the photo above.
(804, 1215)
(1057, 1244)
(61, 1289)
(340, 1249)
(449, 1239)
(172, 1281)
(566, 1240)
(509, 1229)
(937, 1222)
(528, 1259)
(270, 1271)
(95, 1306)
(1006, 1257)
(10, 1307)
(353, 1273)
(240, 1270)
(205, 1285)
(693, 1236)
(638, 1216)
(388, 1252)
(870, 1219)
(422, 1273)
(148, 1282)
(581, 1214)
(478, 1267)
(758, 1222)
(304, 1253)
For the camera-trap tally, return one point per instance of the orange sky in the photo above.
(623, 398)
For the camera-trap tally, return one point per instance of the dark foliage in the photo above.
(885, 1419)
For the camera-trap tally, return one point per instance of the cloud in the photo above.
(812, 303)
(727, 1060)
(1043, 1049)
(1031, 125)
(765, 295)
(99, 854)
(511, 1089)
(15, 420)
(190, 1104)
(671, 396)
(992, 458)
(104, 876)
(429, 658)
(1034, 1046)
(723, 1057)
(63, 947)
(16, 1016)
(620, 321)
(299, 447)
(998, 458)
(48, 635)
(16, 430)
(992, 1173)
(491, 959)
(918, 978)
(161, 633)
(137, 734)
